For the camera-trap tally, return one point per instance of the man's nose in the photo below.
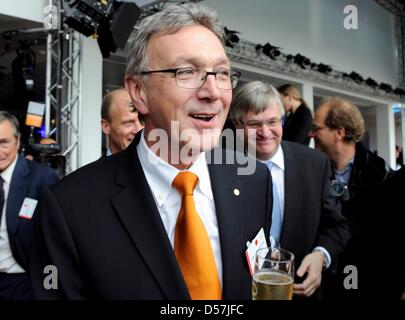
(210, 88)
(264, 130)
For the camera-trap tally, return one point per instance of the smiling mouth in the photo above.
(202, 117)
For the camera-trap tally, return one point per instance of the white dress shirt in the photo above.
(160, 176)
(277, 174)
(7, 262)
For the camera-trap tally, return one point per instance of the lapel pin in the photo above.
(236, 192)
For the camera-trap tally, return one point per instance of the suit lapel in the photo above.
(138, 212)
(16, 194)
(292, 193)
(228, 209)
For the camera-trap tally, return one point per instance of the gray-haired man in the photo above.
(306, 218)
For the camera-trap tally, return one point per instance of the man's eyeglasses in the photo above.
(192, 78)
(256, 124)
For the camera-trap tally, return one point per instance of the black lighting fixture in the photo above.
(386, 87)
(371, 83)
(302, 61)
(324, 68)
(231, 38)
(268, 50)
(354, 76)
(111, 21)
(290, 58)
(23, 68)
(399, 91)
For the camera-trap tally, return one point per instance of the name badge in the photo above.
(28, 208)
(257, 243)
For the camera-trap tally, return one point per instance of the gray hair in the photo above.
(169, 21)
(254, 97)
(7, 116)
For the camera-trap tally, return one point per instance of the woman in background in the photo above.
(298, 121)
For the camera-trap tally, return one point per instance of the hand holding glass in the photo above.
(273, 274)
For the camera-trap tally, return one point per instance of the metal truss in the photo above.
(62, 102)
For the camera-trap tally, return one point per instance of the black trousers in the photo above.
(15, 286)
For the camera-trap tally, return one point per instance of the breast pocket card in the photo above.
(28, 208)
(257, 243)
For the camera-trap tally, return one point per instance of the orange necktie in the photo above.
(192, 246)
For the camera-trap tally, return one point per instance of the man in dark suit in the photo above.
(21, 182)
(115, 229)
(306, 218)
(338, 129)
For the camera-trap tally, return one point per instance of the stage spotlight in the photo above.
(399, 91)
(386, 87)
(231, 38)
(356, 77)
(371, 83)
(271, 51)
(290, 58)
(111, 21)
(324, 68)
(23, 67)
(302, 61)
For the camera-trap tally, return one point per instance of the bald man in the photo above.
(119, 121)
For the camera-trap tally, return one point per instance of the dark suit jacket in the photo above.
(28, 180)
(100, 227)
(298, 125)
(312, 217)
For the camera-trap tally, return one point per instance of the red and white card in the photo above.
(28, 208)
(257, 243)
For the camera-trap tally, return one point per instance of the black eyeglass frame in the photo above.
(233, 77)
(270, 123)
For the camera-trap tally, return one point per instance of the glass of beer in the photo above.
(273, 274)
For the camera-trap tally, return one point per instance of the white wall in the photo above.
(315, 29)
(24, 9)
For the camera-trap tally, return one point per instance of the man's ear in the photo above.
(136, 90)
(105, 126)
(340, 134)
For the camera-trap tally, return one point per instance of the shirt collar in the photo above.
(346, 168)
(161, 174)
(8, 173)
(277, 159)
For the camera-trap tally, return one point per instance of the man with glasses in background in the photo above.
(360, 181)
(161, 222)
(306, 218)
